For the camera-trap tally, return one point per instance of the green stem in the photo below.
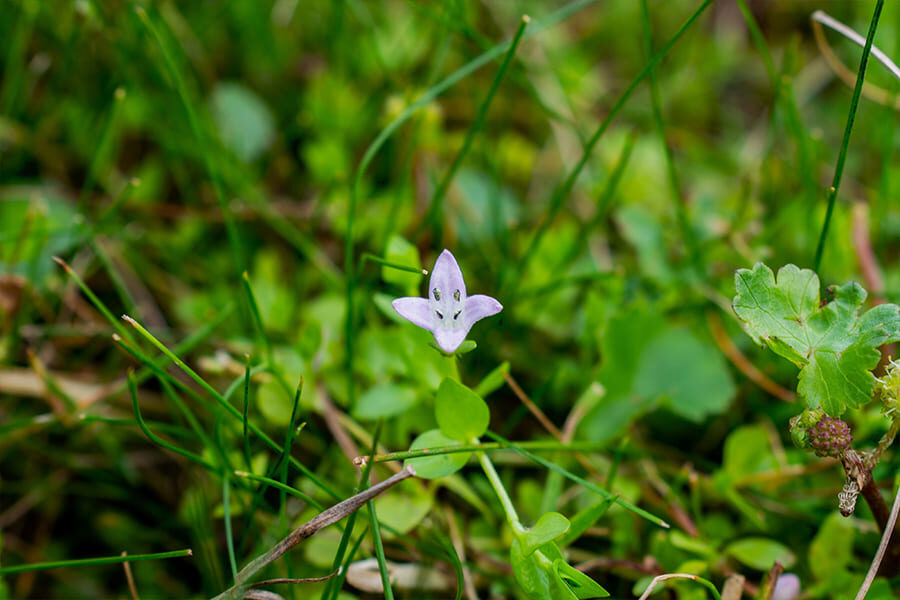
(511, 515)
(435, 211)
(546, 445)
(845, 142)
(454, 368)
(379, 552)
(58, 564)
(562, 191)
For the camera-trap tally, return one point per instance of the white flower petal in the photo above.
(478, 307)
(449, 339)
(416, 310)
(447, 279)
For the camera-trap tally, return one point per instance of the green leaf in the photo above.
(493, 380)
(645, 363)
(834, 346)
(761, 553)
(403, 510)
(832, 548)
(533, 572)
(837, 380)
(646, 234)
(550, 526)
(585, 519)
(244, 121)
(461, 413)
(440, 465)
(401, 252)
(580, 584)
(748, 450)
(36, 223)
(385, 400)
(689, 374)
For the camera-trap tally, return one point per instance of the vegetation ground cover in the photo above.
(683, 213)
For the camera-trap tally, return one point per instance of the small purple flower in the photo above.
(447, 312)
(787, 587)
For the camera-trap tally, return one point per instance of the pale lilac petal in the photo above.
(446, 278)
(787, 587)
(416, 310)
(450, 339)
(478, 307)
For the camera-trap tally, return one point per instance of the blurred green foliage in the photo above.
(130, 146)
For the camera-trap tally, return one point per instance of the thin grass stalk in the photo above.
(437, 202)
(561, 192)
(681, 213)
(848, 129)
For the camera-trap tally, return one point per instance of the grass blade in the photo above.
(845, 141)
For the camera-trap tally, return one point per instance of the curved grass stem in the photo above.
(848, 129)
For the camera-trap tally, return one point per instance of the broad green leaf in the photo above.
(832, 548)
(645, 233)
(585, 519)
(403, 510)
(550, 526)
(385, 400)
(401, 252)
(244, 121)
(486, 209)
(580, 584)
(688, 374)
(645, 363)
(748, 450)
(835, 379)
(461, 413)
(532, 574)
(440, 465)
(274, 403)
(36, 223)
(760, 553)
(536, 572)
(834, 346)
(625, 339)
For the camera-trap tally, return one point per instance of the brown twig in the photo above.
(325, 518)
(672, 505)
(877, 565)
(547, 424)
(859, 472)
(333, 421)
(741, 362)
(532, 407)
(130, 579)
(772, 576)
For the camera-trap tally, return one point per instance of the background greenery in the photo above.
(164, 149)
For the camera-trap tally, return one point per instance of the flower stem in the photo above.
(511, 515)
(454, 368)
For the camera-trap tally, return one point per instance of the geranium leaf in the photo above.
(832, 343)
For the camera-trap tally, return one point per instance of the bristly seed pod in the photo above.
(830, 437)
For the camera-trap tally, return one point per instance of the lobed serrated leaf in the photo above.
(834, 346)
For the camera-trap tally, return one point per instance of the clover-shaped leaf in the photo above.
(461, 413)
(550, 526)
(544, 574)
(439, 465)
(833, 344)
